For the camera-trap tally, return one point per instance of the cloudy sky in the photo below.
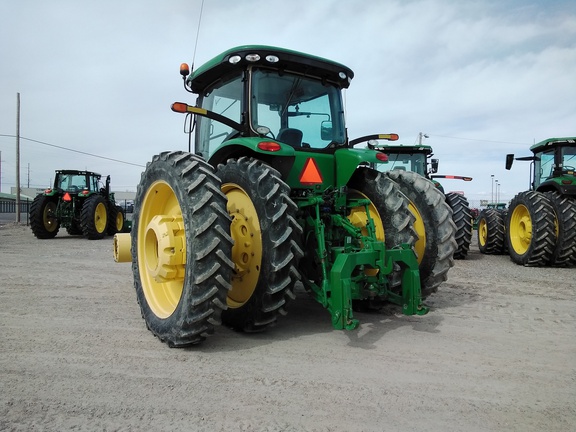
(480, 78)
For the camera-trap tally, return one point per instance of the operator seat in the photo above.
(291, 137)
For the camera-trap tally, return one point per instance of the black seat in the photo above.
(291, 137)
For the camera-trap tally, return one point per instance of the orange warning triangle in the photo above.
(67, 197)
(310, 174)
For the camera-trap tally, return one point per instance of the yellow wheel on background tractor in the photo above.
(43, 220)
(181, 248)
(491, 231)
(530, 230)
(94, 217)
(520, 229)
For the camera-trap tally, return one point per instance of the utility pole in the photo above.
(28, 183)
(18, 158)
(0, 172)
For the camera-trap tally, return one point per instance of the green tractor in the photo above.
(539, 226)
(78, 202)
(406, 165)
(273, 194)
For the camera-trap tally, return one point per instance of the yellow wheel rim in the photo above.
(119, 221)
(482, 232)
(359, 218)
(420, 245)
(100, 219)
(520, 229)
(161, 249)
(50, 223)
(247, 249)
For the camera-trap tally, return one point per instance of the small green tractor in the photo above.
(273, 195)
(406, 165)
(78, 202)
(539, 226)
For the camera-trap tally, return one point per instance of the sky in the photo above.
(96, 78)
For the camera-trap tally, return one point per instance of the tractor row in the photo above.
(539, 226)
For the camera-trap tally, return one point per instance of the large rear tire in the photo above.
(436, 246)
(94, 217)
(530, 229)
(462, 217)
(491, 238)
(43, 220)
(266, 243)
(181, 248)
(564, 254)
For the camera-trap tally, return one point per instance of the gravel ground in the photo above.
(497, 351)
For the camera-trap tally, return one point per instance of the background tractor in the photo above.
(78, 202)
(406, 164)
(272, 194)
(539, 226)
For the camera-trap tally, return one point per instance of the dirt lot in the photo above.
(496, 352)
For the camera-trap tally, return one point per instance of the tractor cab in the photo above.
(408, 158)
(553, 165)
(259, 91)
(75, 182)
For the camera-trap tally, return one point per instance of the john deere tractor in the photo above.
(407, 164)
(78, 202)
(539, 226)
(272, 194)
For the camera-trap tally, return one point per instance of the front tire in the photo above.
(530, 229)
(43, 220)
(181, 248)
(266, 237)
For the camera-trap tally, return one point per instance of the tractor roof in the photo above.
(76, 172)
(271, 57)
(553, 142)
(404, 149)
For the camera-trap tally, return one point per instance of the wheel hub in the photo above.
(165, 248)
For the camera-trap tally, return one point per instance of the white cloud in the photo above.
(99, 76)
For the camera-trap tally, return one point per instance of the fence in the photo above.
(9, 206)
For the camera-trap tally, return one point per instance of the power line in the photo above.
(72, 150)
(482, 140)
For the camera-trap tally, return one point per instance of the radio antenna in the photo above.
(197, 34)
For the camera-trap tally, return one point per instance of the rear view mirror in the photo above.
(509, 161)
(434, 164)
(326, 131)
